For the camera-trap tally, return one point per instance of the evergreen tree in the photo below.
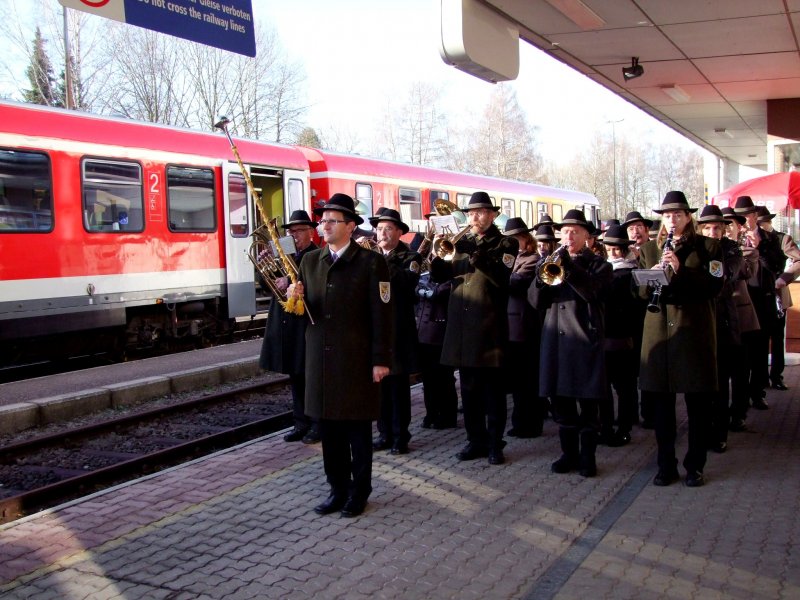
(40, 75)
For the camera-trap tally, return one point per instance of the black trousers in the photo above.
(522, 373)
(698, 409)
(484, 399)
(567, 415)
(438, 387)
(777, 333)
(302, 422)
(740, 376)
(347, 457)
(395, 408)
(621, 373)
(720, 406)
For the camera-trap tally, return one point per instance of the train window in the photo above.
(112, 195)
(558, 213)
(364, 205)
(526, 212)
(26, 202)
(462, 200)
(542, 209)
(237, 203)
(507, 207)
(190, 199)
(296, 195)
(410, 204)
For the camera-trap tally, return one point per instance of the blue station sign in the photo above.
(225, 24)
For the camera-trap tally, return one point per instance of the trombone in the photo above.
(270, 265)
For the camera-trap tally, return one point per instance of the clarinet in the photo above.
(655, 297)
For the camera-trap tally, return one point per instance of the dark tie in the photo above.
(334, 256)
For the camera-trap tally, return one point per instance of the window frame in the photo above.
(34, 211)
(83, 180)
(215, 225)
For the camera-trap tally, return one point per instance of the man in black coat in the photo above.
(284, 346)
(477, 325)
(404, 266)
(348, 351)
(571, 364)
(762, 291)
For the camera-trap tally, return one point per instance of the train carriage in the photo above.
(135, 232)
(412, 189)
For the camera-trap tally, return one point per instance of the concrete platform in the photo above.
(53, 398)
(240, 524)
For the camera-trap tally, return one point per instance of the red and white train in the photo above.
(116, 233)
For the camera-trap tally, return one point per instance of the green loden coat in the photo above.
(679, 343)
(350, 304)
(477, 319)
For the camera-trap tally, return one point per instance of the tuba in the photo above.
(551, 271)
(270, 264)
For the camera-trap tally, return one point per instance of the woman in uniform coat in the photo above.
(679, 341)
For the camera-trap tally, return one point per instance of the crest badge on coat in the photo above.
(508, 260)
(715, 268)
(385, 291)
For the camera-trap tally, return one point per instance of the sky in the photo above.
(360, 54)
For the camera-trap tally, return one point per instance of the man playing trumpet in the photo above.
(571, 363)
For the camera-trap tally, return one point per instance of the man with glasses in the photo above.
(284, 346)
(348, 351)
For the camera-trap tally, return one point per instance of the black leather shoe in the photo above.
(718, 447)
(664, 478)
(737, 425)
(381, 444)
(399, 448)
(620, 438)
(331, 505)
(353, 507)
(471, 452)
(694, 479)
(312, 437)
(565, 464)
(295, 435)
(588, 467)
(760, 404)
(496, 457)
(779, 385)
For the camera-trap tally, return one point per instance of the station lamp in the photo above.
(634, 71)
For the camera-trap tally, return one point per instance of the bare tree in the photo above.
(504, 144)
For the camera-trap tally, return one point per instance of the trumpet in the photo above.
(551, 271)
(270, 266)
(445, 247)
(369, 244)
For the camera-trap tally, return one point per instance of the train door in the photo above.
(238, 212)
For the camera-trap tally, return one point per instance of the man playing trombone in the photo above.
(569, 291)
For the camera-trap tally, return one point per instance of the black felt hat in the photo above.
(391, 215)
(764, 215)
(480, 200)
(576, 217)
(617, 235)
(344, 204)
(634, 216)
(545, 234)
(545, 220)
(712, 214)
(744, 205)
(729, 213)
(299, 217)
(674, 200)
(516, 225)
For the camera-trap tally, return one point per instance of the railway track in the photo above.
(45, 471)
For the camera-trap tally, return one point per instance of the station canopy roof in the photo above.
(710, 67)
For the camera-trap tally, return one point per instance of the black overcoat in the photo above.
(679, 343)
(349, 301)
(404, 267)
(477, 323)
(522, 318)
(284, 347)
(572, 357)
